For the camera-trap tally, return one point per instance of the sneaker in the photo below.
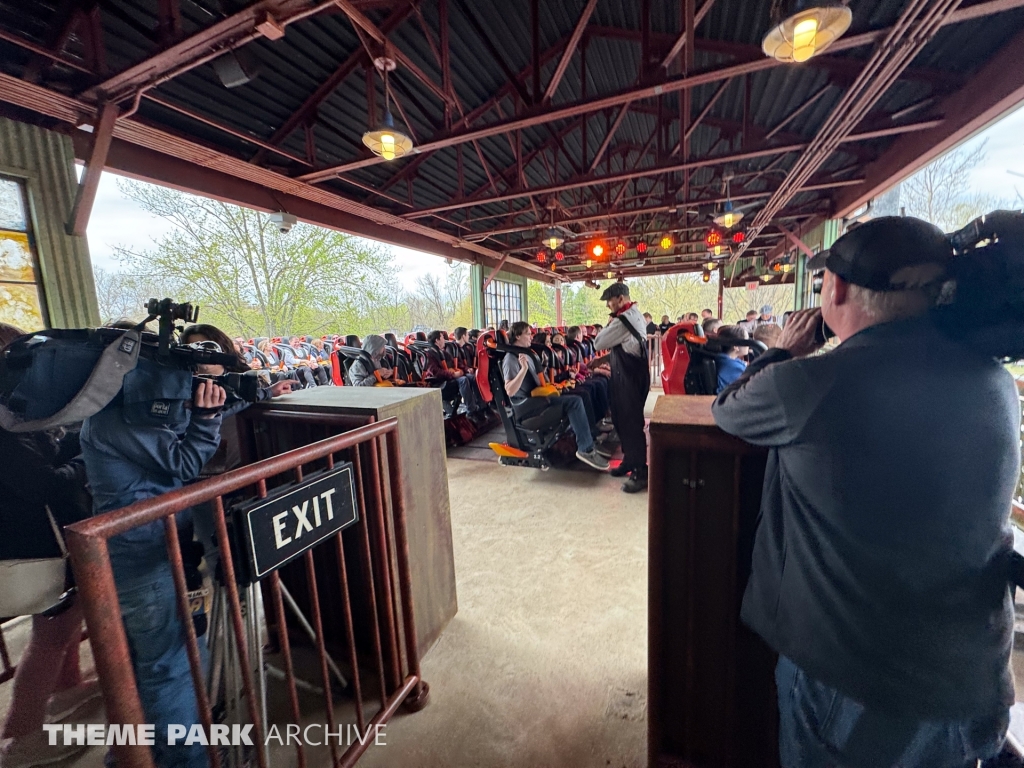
(34, 749)
(637, 482)
(620, 471)
(63, 703)
(594, 459)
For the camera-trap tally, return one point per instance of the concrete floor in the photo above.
(545, 663)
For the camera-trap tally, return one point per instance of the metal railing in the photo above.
(379, 540)
(654, 356)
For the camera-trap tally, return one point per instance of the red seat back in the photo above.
(675, 358)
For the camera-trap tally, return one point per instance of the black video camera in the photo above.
(44, 374)
(983, 304)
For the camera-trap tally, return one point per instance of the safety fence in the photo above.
(374, 660)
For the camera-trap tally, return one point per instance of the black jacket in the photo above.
(880, 559)
(38, 470)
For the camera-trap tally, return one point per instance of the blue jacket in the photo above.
(126, 464)
(880, 562)
(729, 369)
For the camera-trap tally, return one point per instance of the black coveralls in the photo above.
(631, 383)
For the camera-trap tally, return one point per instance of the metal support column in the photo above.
(558, 305)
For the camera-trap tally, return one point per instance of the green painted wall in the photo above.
(477, 275)
(46, 162)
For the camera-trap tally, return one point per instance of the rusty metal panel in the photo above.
(46, 160)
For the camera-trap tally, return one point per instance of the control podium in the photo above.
(711, 691)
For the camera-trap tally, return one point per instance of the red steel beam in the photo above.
(672, 85)
(327, 87)
(234, 31)
(609, 136)
(591, 180)
(810, 100)
(996, 89)
(570, 49)
(103, 132)
(360, 21)
(677, 46)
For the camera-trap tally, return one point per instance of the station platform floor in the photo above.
(545, 663)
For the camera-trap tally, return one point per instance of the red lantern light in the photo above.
(559, 255)
(641, 247)
(739, 237)
(713, 238)
(620, 248)
(597, 249)
(542, 256)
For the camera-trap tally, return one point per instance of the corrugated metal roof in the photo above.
(292, 68)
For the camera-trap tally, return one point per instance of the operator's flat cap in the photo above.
(615, 289)
(890, 253)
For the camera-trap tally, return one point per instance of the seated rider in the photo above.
(521, 379)
(464, 380)
(729, 362)
(361, 374)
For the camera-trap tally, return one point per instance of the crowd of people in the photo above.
(887, 602)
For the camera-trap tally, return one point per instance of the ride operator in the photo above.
(625, 339)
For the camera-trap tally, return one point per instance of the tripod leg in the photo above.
(309, 631)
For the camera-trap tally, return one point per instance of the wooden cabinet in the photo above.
(273, 427)
(711, 692)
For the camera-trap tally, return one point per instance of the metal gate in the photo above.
(382, 597)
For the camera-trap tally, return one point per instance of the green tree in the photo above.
(251, 279)
(736, 302)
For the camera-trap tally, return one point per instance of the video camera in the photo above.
(56, 377)
(983, 303)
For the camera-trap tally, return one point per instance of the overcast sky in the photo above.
(118, 221)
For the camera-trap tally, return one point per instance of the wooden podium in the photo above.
(711, 690)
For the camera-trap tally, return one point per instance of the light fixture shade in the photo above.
(387, 141)
(806, 29)
(552, 239)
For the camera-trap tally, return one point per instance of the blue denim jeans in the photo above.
(156, 639)
(821, 728)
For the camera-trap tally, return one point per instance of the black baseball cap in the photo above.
(615, 289)
(890, 253)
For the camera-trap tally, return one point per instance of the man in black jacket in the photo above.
(879, 566)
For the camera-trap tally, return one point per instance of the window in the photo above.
(21, 302)
(502, 301)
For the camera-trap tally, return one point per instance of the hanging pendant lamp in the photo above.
(729, 217)
(386, 140)
(804, 28)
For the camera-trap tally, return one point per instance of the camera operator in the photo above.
(42, 475)
(125, 463)
(879, 564)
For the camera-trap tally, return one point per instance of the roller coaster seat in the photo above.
(689, 366)
(529, 441)
(348, 355)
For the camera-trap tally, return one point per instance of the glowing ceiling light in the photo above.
(386, 140)
(641, 247)
(620, 248)
(666, 243)
(706, 276)
(597, 250)
(718, 250)
(551, 239)
(589, 263)
(805, 28)
(710, 266)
